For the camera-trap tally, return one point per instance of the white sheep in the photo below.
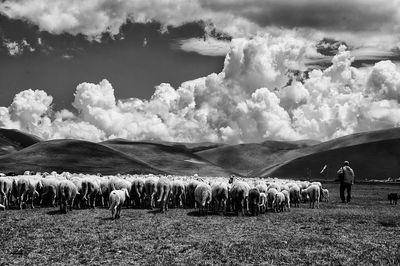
(263, 202)
(239, 195)
(67, 192)
(6, 186)
(138, 192)
(220, 195)
(325, 195)
(150, 185)
(313, 192)
(271, 197)
(279, 202)
(202, 196)
(117, 199)
(27, 187)
(294, 195)
(178, 193)
(164, 187)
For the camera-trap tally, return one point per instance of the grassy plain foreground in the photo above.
(365, 232)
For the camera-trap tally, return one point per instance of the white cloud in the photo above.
(17, 48)
(255, 97)
(205, 46)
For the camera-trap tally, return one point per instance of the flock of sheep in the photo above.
(218, 194)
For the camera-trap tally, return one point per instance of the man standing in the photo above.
(346, 178)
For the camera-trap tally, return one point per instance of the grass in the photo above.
(365, 232)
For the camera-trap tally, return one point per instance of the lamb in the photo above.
(138, 192)
(150, 185)
(203, 196)
(279, 202)
(117, 199)
(325, 195)
(254, 201)
(295, 195)
(164, 188)
(178, 193)
(392, 198)
(67, 192)
(220, 195)
(313, 192)
(239, 195)
(6, 186)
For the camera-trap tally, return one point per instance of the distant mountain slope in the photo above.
(347, 141)
(73, 156)
(170, 157)
(12, 140)
(372, 160)
(244, 158)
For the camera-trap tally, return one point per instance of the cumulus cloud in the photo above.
(15, 48)
(360, 23)
(255, 97)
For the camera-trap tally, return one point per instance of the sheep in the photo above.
(304, 197)
(150, 185)
(77, 180)
(117, 199)
(105, 191)
(50, 186)
(178, 193)
(138, 192)
(163, 192)
(117, 183)
(27, 188)
(254, 201)
(279, 202)
(313, 192)
(90, 189)
(239, 195)
(325, 195)
(220, 195)
(67, 192)
(287, 199)
(203, 196)
(271, 197)
(6, 186)
(262, 187)
(263, 202)
(294, 193)
(274, 185)
(190, 188)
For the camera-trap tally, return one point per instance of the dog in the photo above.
(393, 197)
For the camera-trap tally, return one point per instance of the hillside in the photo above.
(12, 140)
(170, 157)
(243, 158)
(74, 156)
(373, 160)
(282, 157)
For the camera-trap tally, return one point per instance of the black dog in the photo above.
(393, 197)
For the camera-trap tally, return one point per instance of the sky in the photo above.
(199, 70)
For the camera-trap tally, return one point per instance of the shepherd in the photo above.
(346, 178)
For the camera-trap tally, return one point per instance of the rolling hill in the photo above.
(73, 156)
(12, 140)
(372, 160)
(244, 158)
(177, 158)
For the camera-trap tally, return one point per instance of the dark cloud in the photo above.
(339, 15)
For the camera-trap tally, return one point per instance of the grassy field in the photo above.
(365, 232)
